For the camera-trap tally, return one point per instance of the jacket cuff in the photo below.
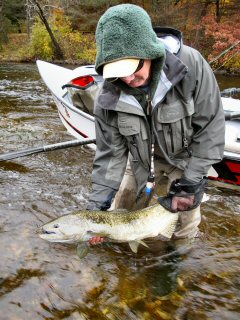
(197, 168)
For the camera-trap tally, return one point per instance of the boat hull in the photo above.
(78, 124)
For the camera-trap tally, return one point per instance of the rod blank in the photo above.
(50, 147)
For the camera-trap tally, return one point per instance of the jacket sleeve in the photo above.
(110, 160)
(208, 121)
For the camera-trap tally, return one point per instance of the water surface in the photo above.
(40, 280)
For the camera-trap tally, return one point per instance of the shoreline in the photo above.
(74, 63)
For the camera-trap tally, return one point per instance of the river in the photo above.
(41, 280)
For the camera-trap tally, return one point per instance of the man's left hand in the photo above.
(184, 195)
(182, 203)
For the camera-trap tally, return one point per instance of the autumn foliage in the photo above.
(210, 26)
(223, 35)
(76, 46)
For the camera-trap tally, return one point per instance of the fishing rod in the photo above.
(233, 115)
(224, 52)
(50, 147)
(73, 143)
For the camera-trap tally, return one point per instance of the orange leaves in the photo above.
(224, 34)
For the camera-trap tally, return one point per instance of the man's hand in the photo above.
(182, 203)
(183, 195)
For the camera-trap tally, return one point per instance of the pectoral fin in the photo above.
(82, 249)
(134, 245)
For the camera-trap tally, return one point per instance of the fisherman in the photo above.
(159, 107)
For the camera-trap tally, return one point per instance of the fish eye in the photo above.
(56, 226)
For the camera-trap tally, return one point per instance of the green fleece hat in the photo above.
(125, 31)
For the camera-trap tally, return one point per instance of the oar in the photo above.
(50, 147)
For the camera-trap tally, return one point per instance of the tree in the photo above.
(3, 31)
(84, 14)
(225, 34)
(15, 12)
(58, 54)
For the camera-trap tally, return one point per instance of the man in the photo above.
(160, 106)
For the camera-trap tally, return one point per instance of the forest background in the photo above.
(63, 31)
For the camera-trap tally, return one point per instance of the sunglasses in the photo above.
(139, 67)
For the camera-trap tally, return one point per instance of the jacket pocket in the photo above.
(131, 126)
(174, 126)
(128, 124)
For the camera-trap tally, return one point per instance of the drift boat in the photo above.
(74, 92)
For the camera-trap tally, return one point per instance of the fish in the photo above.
(115, 226)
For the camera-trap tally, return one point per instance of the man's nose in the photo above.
(128, 79)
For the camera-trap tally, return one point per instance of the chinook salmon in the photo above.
(115, 226)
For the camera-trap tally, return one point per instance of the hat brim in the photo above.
(120, 68)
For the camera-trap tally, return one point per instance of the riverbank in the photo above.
(20, 49)
(17, 50)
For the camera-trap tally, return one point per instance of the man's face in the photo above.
(139, 78)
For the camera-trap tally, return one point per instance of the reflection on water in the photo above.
(40, 280)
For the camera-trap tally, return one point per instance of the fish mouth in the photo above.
(44, 231)
(52, 236)
(47, 232)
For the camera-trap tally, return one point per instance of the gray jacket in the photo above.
(187, 122)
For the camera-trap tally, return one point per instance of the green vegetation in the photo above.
(76, 46)
(64, 30)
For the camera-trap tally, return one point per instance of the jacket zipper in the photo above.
(185, 141)
(171, 137)
(149, 108)
(147, 113)
(134, 144)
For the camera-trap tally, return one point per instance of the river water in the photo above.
(40, 280)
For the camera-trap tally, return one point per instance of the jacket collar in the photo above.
(126, 101)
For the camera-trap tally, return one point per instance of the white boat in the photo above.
(74, 90)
